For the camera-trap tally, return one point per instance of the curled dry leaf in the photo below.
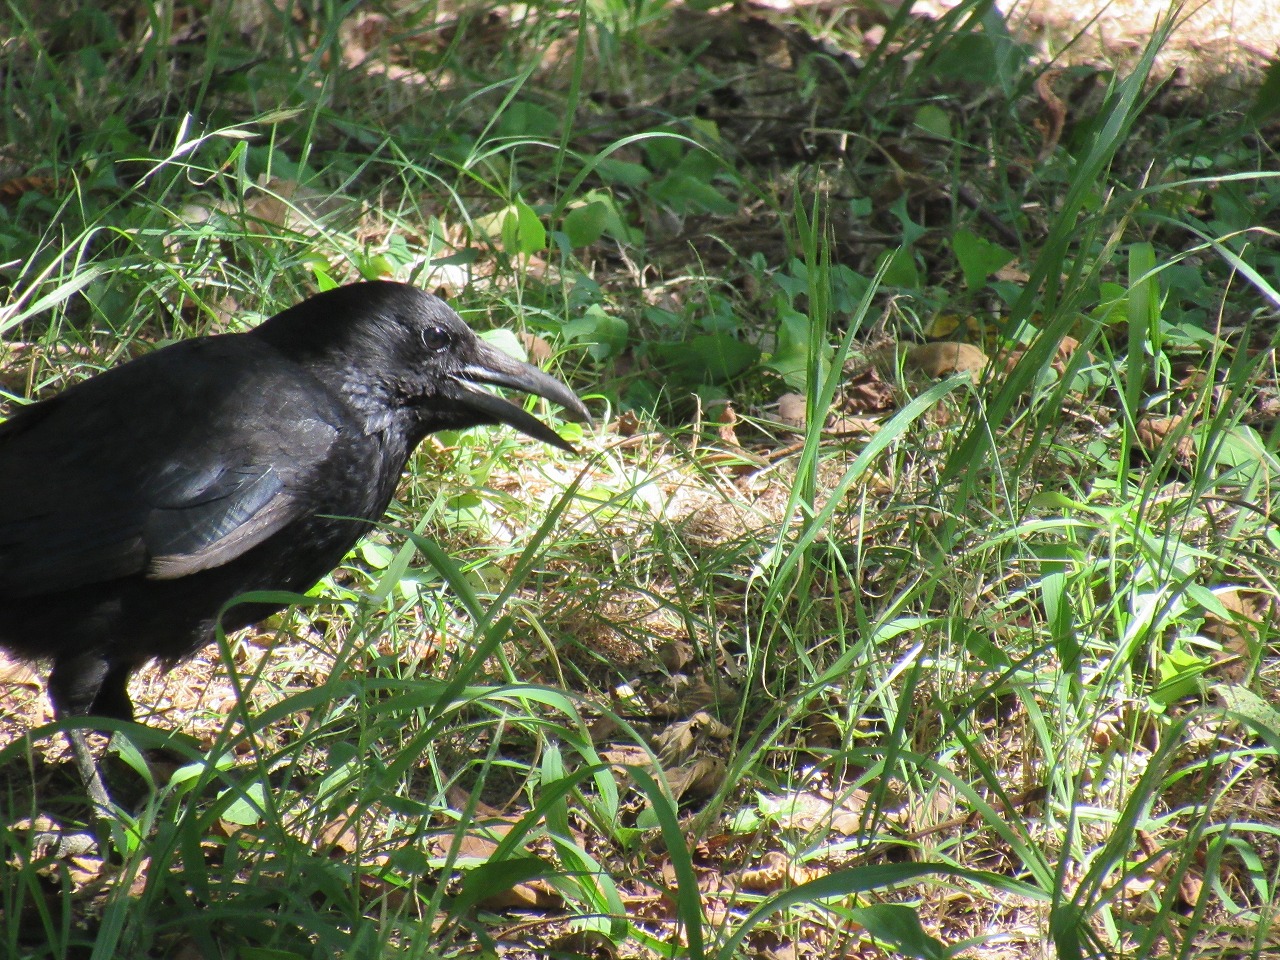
(1154, 432)
(1012, 274)
(809, 812)
(525, 896)
(274, 201)
(1055, 119)
(627, 424)
(715, 521)
(674, 654)
(186, 950)
(947, 357)
(699, 779)
(342, 835)
(17, 674)
(775, 872)
(1105, 729)
(586, 944)
(622, 755)
(16, 188)
(537, 348)
(675, 744)
(475, 848)
(792, 410)
(727, 418)
(603, 728)
(855, 394)
(697, 694)
(415, 651)
(868, 390)
(1160, 861)
(858, 425)
(680, 741)
(1062, 354)
(1237, 633)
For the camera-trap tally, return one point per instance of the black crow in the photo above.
(134, 505)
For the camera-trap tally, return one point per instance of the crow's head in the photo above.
(404, 357)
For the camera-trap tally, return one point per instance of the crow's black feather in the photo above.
(134, 505)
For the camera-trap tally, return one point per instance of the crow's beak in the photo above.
(495, 368)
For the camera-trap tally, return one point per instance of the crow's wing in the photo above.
(175, 463)
(205, 517)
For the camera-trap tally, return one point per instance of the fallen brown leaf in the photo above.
(681, 740)
(1237, 633)
(792, 410)
(1154, 433)
(947, 357)
(699, 779)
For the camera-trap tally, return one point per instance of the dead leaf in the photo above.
(1154, 433)
(1050, 129)
(867, 391)
(675, 744)
(770, 875)
(536, 893)
(538, 349)
(853, 425)
(700, 694)
(626, 755)
(680, 741)
(587, 944)
(478, 845)
(1237, 633)
(627, 424)
(727, 420)
(1157, 870)
(1067, 348)
(17, 673)
(419, 650)
(186, 949)
(460, 799)
(674, 655)
(603, 728)
(83, 871)
(941, 359)
(699, 779)
(775, 872)
(713, 521)
(1012, 274)
(1105, 729)
(793, 410)
(342, 836)
(17, 187)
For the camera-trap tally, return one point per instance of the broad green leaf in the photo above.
(978, 257)
(934, 120)
(248, 808)
(585, 224)
(522, 231)
(709, 358)
(901, 270)
(606, 334)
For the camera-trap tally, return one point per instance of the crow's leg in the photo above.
(78, 686)
(87, 764)
(112, 699)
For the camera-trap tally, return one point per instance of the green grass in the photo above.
(996, 677)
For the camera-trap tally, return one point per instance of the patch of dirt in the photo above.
(1213, 38)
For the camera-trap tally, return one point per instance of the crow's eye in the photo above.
(435, 339)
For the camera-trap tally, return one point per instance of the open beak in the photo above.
(495, 368)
